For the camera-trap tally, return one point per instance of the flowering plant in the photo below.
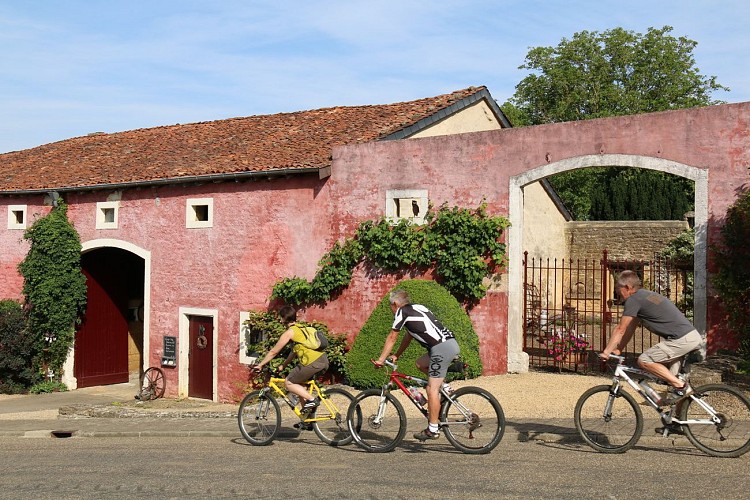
(561, 343)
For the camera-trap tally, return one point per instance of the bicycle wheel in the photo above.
(730, 436)
(376, 423)
(259, 418)
(610, 424)
(332, 429)
(474, 421)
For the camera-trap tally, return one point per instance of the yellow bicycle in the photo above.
(259, 416)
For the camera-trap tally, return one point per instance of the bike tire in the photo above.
(616, 432)
(482, 431)
(333, 408)
(729, 438)
(259, 418)
(372, 435)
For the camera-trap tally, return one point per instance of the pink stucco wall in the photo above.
(267, 230)
(466, 169)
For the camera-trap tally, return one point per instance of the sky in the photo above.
(73, 67)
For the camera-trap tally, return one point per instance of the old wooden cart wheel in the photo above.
(152, 384)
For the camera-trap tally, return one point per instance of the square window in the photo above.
(199, 212)
(106, 214)
(17, 217)
(409, 204)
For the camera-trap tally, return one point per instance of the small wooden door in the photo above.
(201, 358)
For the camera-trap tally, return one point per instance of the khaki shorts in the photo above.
(301, 374)
(668, 351)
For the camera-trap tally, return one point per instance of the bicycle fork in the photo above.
(264, 405)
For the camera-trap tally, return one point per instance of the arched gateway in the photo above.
(517, 359)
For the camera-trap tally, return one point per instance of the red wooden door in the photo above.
(101, 345)
(201, 358)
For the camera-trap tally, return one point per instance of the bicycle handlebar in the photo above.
(387, 362)
(621, 359)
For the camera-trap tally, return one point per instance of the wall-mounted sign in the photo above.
(170, 351)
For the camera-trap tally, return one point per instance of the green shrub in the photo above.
(732, 280)
(17, 350)
(370, 340)
(48, 386)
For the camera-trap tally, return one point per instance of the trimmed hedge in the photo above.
(369, 342)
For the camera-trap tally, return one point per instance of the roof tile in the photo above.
(261, 143)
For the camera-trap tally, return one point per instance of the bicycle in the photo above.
(259, 415)
(471, 418)
(715, 417)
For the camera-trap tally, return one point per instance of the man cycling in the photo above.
(422, 325)
(664, 319)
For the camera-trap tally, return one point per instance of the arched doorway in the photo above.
(109, 345)
(517, 359)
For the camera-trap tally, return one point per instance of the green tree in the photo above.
(732, 280)
(611, 73)
(54, 286)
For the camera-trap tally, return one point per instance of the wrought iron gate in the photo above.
(570, 308)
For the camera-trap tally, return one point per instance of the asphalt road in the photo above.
(305, 468)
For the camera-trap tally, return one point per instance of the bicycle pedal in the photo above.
(303, 426)
(669, 429)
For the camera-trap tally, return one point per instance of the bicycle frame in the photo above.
(396, 378)
(275, 385)
(668, 416)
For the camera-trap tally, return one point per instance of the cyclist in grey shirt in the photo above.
(661, 317)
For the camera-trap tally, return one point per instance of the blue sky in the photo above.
(69, 68)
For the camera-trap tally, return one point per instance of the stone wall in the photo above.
(623, 240)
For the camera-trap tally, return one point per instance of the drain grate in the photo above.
(62, 434)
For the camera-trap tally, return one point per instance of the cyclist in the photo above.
(311, 361)
(664, 319)
(422, 325)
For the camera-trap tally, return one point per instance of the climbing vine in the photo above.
(462, 245)
(54, 287)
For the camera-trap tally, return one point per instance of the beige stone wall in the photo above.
(476, 118)
(624, 240)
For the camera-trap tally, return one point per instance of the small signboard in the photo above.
(170, 351)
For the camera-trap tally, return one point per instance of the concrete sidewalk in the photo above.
(112, 411)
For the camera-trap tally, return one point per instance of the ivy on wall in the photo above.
(462, 245)
(732, 278)
(54, 287)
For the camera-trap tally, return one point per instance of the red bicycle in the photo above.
(470, 417)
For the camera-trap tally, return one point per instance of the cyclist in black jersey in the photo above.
(422, 325)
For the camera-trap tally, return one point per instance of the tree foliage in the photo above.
(612, 73)
(54, 286)
(732, 279)
(637, 194)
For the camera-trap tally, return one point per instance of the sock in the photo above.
(433, 428)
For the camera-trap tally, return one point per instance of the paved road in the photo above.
(230, 468)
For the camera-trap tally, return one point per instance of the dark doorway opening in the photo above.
(109, 342)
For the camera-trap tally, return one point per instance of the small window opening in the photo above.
(200, 213)
(18, 217)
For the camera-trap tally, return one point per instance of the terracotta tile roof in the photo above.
(266, 143)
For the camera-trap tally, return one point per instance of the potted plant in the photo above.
(567, 345)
